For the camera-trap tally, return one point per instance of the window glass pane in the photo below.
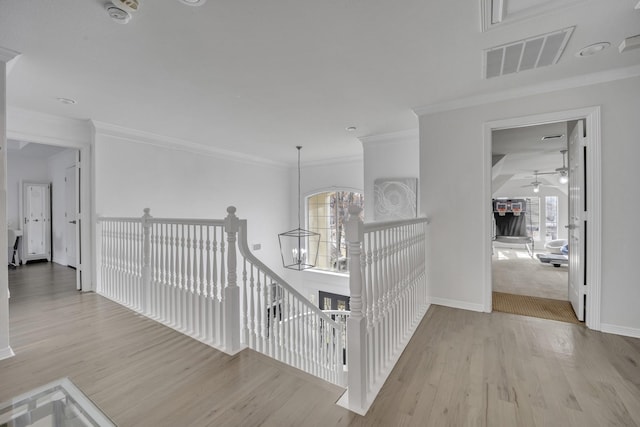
(534, 213)
(551, 214)
(326, 215)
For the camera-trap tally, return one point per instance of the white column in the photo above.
(6, 55)
(231, 290)
(356, 323)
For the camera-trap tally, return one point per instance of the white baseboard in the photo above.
(60, 260)
(464, 305)
(6, 353)
(620, 330)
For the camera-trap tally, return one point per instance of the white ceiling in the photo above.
(260, 77)
(525, 152)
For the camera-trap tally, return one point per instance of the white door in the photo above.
(577, 223)
(37, 221)
(71, 217)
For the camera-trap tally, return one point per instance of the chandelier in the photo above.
(299, 247)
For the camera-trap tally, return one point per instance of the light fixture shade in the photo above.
(299, 249)
(563, 179)
(536, 188)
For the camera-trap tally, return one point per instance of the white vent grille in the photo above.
(534, 52)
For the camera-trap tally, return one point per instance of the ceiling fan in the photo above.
(536, 184)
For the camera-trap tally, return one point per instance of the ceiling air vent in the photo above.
(534, 52)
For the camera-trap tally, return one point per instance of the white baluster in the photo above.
(146, 262)
(202, 290)
(245, 307)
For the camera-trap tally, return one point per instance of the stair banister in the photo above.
(356, 323)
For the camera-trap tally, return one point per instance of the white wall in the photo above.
(336, 175)
(57, 166)
(395, 155)
(174, 183)
(455, 241)
(5, 349)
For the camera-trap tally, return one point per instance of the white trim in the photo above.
(620, 330)
(50, 129)
(149, 138)
(403, 136)
(568, 83)
(7, 55)
(594, 195)
(548, 8)
(332, 162)
(6, 353)
(453, 303)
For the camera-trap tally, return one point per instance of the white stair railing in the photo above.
(171, 270)
(387, 280)
(279, 322)
(184, 273)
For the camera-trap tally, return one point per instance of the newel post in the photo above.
(231, 290)
(145, 299)
(356, 323)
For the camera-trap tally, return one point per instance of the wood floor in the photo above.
(461, 368)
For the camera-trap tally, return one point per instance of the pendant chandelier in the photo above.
(299, 247)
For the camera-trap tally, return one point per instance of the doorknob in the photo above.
(72, 222)
(571, 226)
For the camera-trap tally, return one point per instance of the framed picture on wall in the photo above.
(395, 198)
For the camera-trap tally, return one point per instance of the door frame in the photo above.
(593, 216)
(84, 277)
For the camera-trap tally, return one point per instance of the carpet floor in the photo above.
(544, 308)
(515, 272)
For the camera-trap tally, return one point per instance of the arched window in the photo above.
(327, 213)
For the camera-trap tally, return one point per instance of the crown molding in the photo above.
(43, 128)
(134, 135)
(334, 161)
(399, 137)
(7, 55)
(552, 86)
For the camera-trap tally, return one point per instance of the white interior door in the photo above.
(37, 221)
(71, 216)
(577, 224)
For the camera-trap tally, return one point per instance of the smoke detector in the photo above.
(127, 5)
(119, 15)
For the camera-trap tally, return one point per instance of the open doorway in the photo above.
(530, 204)
(42, 206)
(584, 277)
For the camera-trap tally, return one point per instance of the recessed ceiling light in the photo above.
(193, 2)
(351, 129)
(593, 49)
(68, 101)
